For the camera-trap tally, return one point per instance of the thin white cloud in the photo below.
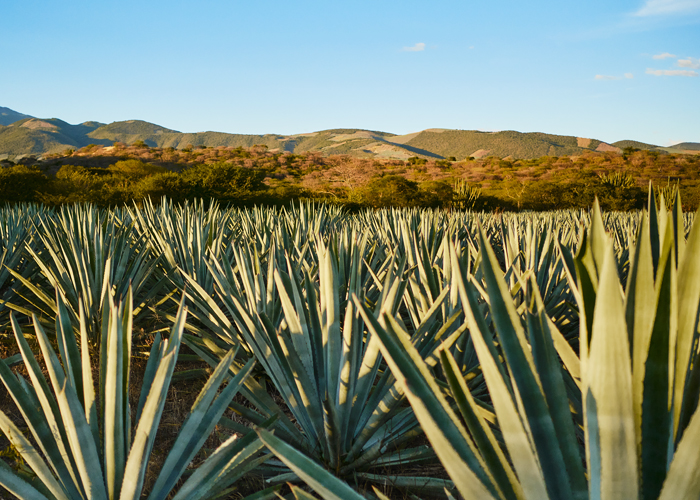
(611, 77)
(419, 47)
(671, 72)
(691, 62)
(667, 7)
(665, 55)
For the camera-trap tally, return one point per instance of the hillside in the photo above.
(8, 116)
(465, 143)
(636, 145)
(687, 146)
(24, 135)
(34, 136)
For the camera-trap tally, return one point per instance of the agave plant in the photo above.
(617, 180)
(465, 195)
(16, 227)
(633, 389)
(299, 321)
(84, 254)
(184, 236)
(88, 447)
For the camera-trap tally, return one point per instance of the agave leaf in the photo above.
(31, 456)
(656, 419)
(640, 302)
(300, 494)
(252, 391)
(152, 410)
(678, 227)
(449, 439)
(82, 444)
(486, 442)
(688, 301)
(514, 433)
(565, 352)
(330, 312)
(322, 481)
(270, 493)
(114, 410)
(654, 223)
(17, 486)
(42, 426)
(588, 261)
(67, 347)
(381, 495)
(79, 434)
(514, 344)
(610, 413)
(683, 478)
(550, 373)
(204, 416)
(215, 473)
(47, 300)
(418, 484)
(302, 351)
(89, 400)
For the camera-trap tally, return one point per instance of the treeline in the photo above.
(123, 174)
(132, 180)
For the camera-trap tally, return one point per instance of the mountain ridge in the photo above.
(34, 136)
(9, 116)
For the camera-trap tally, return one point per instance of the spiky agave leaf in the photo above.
(80, 460)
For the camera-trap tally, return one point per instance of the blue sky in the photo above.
(607, 70)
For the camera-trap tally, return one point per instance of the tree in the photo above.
(392, 191)
(20, 183)
(225, 182)
(128, 172)
(158, 185)
(414, 160)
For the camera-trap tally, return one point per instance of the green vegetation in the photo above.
(462, 143)
(122, 174)
(89, 447)
(691, 146)
(465, 196)
(533, 355)
(634, 144)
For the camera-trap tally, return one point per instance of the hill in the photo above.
(465, 143)
(636, 145)
(8, 116)
(687, 146)
(34, 136)
(28, 135)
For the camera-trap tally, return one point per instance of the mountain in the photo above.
(635, 145)
(34, 136)
(464, 143)
(687, 146)
(22, 135)
(680, 148)
(38, 137)
(8, 116)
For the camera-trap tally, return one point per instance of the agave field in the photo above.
(383, 354)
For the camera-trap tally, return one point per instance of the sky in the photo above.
(608, 70)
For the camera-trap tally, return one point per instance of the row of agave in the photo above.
(350, 319)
